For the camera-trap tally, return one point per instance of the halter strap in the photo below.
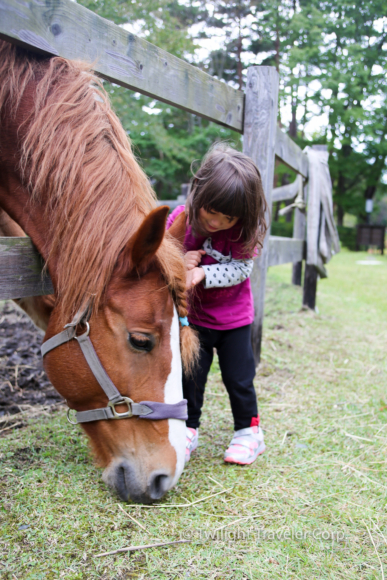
(144, 410)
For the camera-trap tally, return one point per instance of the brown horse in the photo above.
(69, 179)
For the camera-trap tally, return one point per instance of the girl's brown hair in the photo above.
(229, 182)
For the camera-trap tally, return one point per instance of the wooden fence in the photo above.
(62, 27)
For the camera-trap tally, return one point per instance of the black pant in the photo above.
(237, 366)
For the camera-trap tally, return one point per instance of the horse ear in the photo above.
(143, 245)
(178, 227)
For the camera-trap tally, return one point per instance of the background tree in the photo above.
(165, 139)
(348, 71)
(331, 57)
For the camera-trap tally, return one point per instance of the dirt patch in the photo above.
(24, 457)
(24, 386)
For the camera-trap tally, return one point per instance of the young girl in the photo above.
(225, 215)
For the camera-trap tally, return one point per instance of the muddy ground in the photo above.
(24, 387)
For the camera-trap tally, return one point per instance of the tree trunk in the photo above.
(277, 50)
(239, 57)
(293, 122)
(340, 215)
(275, 213)
(370, 192)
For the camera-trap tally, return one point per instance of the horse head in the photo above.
(69, 179)
(135, 334)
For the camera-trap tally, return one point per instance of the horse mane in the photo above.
(77, 159)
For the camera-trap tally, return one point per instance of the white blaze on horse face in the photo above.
(173, 393)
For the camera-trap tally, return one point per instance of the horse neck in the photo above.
(15, 198)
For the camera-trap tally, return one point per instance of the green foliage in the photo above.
(349, 69)
(337, 56)
(331, 57)
(166, 139)
(347, 237)
(282, 228)
(233, 18)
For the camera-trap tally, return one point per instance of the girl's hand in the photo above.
(193, 259)
(193, 277)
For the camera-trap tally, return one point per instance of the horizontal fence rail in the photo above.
(290, 153)
(64, 28)
(285, 250)
(21, 265)
(286, 192)
(21, 270)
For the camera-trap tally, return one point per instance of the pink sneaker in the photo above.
(245, 446)
(192, 438)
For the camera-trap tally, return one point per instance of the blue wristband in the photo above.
(184, 321)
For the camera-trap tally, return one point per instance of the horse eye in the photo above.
(141, 342)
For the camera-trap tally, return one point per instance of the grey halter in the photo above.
(144, 410)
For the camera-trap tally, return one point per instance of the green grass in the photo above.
(323, 402)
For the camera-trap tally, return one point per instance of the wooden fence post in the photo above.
(259, 135)
(299, 232)
(311, 273)
(310, 287)
(298, 227)
(310, 280)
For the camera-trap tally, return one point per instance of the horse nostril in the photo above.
(124, 480)
(158, 485)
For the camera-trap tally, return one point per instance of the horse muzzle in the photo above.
(125, 480)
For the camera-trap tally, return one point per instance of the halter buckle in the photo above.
(85, 323)
(69, 417)
(124, 400)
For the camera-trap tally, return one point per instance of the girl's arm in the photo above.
(226, 275)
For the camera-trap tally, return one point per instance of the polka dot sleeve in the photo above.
(226, 275)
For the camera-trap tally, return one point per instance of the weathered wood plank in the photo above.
(299, 232)
(21, 270)
(297, 273)
(285, 250)
(311, 273)
(310, 287)
(285, 192)
(260, 123)
(290, 153)
(65, 28)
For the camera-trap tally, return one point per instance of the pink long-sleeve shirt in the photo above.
(218, 308)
